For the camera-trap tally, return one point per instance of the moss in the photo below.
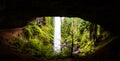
(75, 36)
(35, 40)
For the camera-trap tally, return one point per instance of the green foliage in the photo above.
(76, 35)
(86, 37)
(37, 40)
(75, 30)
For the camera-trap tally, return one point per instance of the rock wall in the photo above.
(16, 14)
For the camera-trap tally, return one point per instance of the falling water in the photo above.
(57, 34)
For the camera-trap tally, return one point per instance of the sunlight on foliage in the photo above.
(39, 39)
(86, 37)
(77, 37)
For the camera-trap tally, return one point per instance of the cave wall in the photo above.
(16, 14)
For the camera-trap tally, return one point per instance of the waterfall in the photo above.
(57, 34)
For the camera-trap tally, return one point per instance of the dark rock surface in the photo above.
(18, 13)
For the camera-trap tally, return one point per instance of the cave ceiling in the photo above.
(17, 13)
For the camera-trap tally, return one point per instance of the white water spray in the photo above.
(57, 34)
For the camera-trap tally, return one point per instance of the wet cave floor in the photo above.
(12, 54)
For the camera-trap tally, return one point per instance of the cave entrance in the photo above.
(67, 36)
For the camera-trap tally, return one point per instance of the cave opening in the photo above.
(61, 37)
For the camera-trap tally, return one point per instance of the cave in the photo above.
(14, 15)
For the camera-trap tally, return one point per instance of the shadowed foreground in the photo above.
(108, 53)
